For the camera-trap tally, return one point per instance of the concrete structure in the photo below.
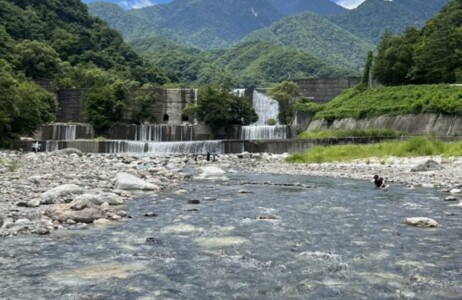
(322, 90)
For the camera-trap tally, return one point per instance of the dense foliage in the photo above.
(247, 64)
(58, 42)
(317, 35)
(399, 100)
(431, 55)
(373, 18)
(219, 108)
(286, 93)
(293, 7)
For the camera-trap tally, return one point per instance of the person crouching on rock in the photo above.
(379, 182)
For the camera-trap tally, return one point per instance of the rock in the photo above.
(99, 199)
(33, 203)
(102, 222)
(122, 213)
(153, 241)
(63, 193)
(244, 192)
(421, 222)
(68, 151)
(150, 214)
(455, 191)
(21, 204)
(63, 212)
(429, 165)
(428, 185)
(450, 198)
(458, 205)
(266, 217)
(194, 201)
(125, 181)
(22, 222)
(212, 173)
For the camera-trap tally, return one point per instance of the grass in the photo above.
(418, 146)
(13, 165)
(350, 133)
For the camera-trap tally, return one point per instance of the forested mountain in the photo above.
(317, 35)
(430, 55)
(58, 41)
(373, 18)
(247, 65)
(293, 7)
(204, 24)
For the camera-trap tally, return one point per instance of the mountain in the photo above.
(293, 7)
(204, 24)
(317, 35)
(373, 18)
(248, 64)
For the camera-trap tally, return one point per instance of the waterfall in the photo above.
(195, 147)
(149, 132)
(265, 107)
(266, 132)
(239, 92)
(66, 132)
(139, 147)
(51, 146)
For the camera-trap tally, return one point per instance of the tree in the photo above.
(218, 107)
(144, 100)
(286, 94)
(37, 59)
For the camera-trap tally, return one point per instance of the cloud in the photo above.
(350, 4)
(129, 4)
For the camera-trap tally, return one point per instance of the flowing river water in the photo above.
(339, 240)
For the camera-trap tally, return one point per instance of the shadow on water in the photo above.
(339, 240)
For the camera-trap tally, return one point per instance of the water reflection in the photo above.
(340, 240)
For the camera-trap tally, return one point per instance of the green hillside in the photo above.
(373, 18)
(58, 42)
(203, 24)
(317, 35)
(255, 63)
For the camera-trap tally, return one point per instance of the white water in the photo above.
(265, 107)
(67, 132)
(149, 132)
(187, 147)
(266, 132)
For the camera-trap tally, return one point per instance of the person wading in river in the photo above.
(379, 182)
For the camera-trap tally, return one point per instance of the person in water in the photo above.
(379, 182)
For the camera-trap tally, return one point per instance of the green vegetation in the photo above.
(418, 146)
(372, 133)
(400, 100)
(375, 17)
(13, 165)
(58, 43)
(286, 93)
(247, 64)
(317, 35)
(219, 108)
(293, 7)
(431, 55)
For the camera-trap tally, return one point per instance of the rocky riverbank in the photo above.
(43, 192)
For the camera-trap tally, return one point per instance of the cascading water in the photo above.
(149, 132)
(67, 132)
(266, 109)
(187, 147)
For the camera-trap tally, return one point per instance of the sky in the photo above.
(348, 3)
(144, 3)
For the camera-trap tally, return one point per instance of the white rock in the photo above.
(421, 222)
(455, 191)
(62, 193)
(212, 173)
(126, 181)
(22, 222)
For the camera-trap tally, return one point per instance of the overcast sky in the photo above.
(349, 3)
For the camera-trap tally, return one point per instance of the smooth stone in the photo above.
(33, 203)
(450, 198)
(126, 181)
(22, 222)
(421, 222)
(66, 192)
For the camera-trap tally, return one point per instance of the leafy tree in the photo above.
(367, 70)
(286, 93)
(143, 102)
(37, 59)
(218, 107)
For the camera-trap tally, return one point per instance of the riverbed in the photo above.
(251, 237)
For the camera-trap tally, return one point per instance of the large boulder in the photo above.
(429, 165)
(98, 199)
(421, 222)
(129, 182)
(64, 212)
(212, 173)
(61, 194)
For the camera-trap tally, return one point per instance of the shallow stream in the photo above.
(339, 240)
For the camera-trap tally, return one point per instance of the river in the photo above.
(331, 239)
